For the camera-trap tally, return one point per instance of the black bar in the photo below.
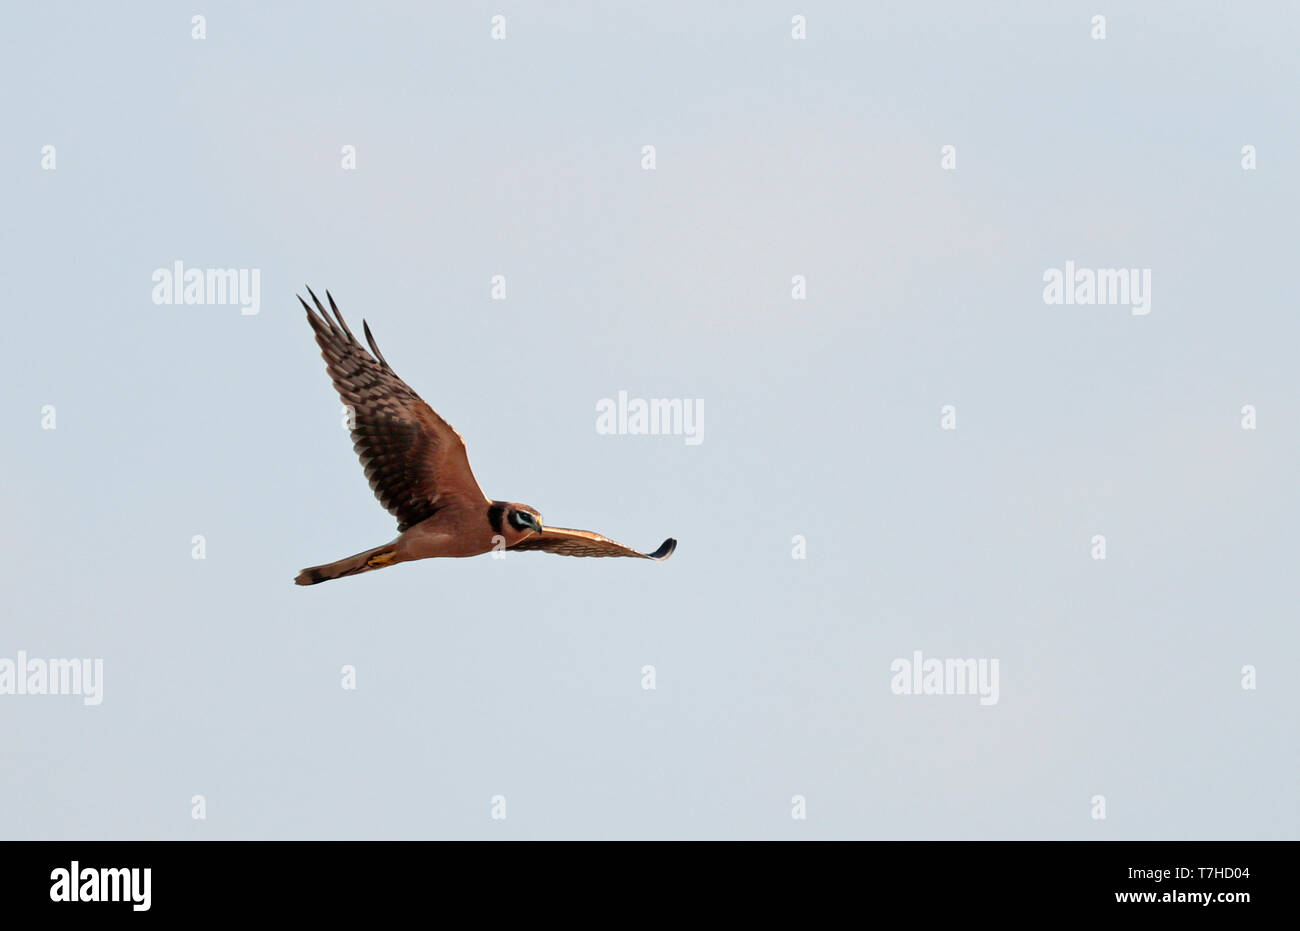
(376, 878)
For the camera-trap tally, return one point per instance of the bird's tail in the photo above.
(377, 558)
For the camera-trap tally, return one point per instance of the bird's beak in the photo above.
(537, 525)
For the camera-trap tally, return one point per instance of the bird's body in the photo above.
(455, 531)
(419, 471)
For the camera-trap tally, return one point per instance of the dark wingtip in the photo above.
(321, 327)
(665, 550)
(374, 347)
(319, 305)
(314, 320)
(339, 317)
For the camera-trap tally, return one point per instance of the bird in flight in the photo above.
(419, 471)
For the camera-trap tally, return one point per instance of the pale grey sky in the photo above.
(774, 158)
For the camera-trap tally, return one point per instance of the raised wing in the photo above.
(585, 543)
(414, 460)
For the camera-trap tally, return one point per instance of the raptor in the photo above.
(419, 470)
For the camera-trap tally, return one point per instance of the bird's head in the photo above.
(514, 521)
(523, 518)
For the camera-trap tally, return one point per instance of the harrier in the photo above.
(419, 471)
